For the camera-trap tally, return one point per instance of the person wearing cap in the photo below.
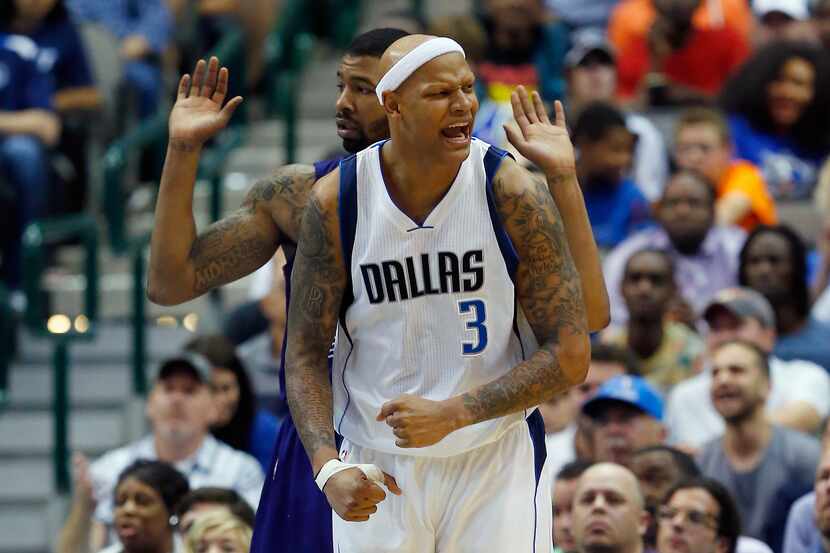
(180, 408)
(781, 20)
(591, 76)
(627, 413)
(799, 396)
(766, 467)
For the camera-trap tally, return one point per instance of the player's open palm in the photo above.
(199, 113)
(543, 142)
(353, 496)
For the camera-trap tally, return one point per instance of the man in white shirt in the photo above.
(180, 409)
(799, 397)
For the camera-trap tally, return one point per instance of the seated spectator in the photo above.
(616, 207)
(678, 63)
(209, 499)
(180, 408)
(710, 521)
(667, 350)
(705, 255)
(764, 466)
(145, 30)
(777, 104)
(821, 20)
(627, 415)
(702, 143)
(525, 47)
(808, 524)
(62, 55)
(564, 488)
(778, 20)
(659, 468)
(799, 396)
(591, 76)
(145, 496)
(28, 127)
(218, 531)
(632, 19)
(608, 511)
(238, 421)
(774, 262)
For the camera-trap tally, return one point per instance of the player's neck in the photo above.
(415, 184)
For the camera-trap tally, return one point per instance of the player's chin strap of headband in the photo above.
(408, 64)
(334, 466)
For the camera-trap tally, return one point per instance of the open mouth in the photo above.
(126, 530)
(458, 133)
(346, 128)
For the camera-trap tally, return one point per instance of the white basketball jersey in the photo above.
(434, 310)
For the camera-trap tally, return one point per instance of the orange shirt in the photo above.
(631, 19)
(745, 178)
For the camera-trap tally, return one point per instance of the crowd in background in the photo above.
(702, 131)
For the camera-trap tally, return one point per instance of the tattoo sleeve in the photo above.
(549, 291)
(317, 284)
(242, 242)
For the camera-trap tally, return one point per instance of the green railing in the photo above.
(37, 239)
(7, 341)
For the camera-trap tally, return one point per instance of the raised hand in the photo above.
(198, 113)
(544, 143)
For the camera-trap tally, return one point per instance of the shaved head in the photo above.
(400, 48)
(617, 474)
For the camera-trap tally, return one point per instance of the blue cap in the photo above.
(627, 389)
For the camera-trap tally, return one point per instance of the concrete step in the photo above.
(25, 480)
(28, 433)
(23, 528)
(89, 385)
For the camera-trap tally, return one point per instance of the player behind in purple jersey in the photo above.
(293, 514)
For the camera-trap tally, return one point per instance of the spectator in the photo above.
(607, 361)
(627, 415)
(578, 14)
(209, 499)
(778, 20)
(62, 55)
(766, 467)
(799, 396)
(238, 421)
(180, 409)
(667, 350)
(702, 143)
(710, 523)
(591, 76)
(145, 30)
(526, 47)
(615, 205)
(218, 531)
(821, 21)
(774, 262)
(705, 255)
(778, 105)
(632, 19)
(608, 511)
(564, 488)
(659, 468)
(678, 63)
(28, 127)
(145, 495)
(808, 525)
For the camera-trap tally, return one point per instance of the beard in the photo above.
(743, 414)
(376, 130)
(601, 548)
(688, 244)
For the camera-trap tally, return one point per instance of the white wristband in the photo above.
(334, 466)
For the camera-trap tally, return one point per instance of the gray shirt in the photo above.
(765, 493)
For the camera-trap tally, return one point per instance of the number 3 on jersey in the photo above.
(476, 323)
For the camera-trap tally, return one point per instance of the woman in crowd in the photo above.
(218, 532)
(239, 423)
(145, 499)
(779, 107)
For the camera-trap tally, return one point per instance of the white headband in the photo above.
(408, 64)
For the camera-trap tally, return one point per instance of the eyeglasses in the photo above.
(696, 518)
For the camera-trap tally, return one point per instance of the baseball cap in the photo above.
(629, 390)
(743, 303)
(193, 363)
(797, 9)
(587, 41)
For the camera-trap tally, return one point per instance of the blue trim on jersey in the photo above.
(492, 161)
(536, 429)
(516, 324)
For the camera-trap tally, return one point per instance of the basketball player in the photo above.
(444, 268)
(293, 514)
